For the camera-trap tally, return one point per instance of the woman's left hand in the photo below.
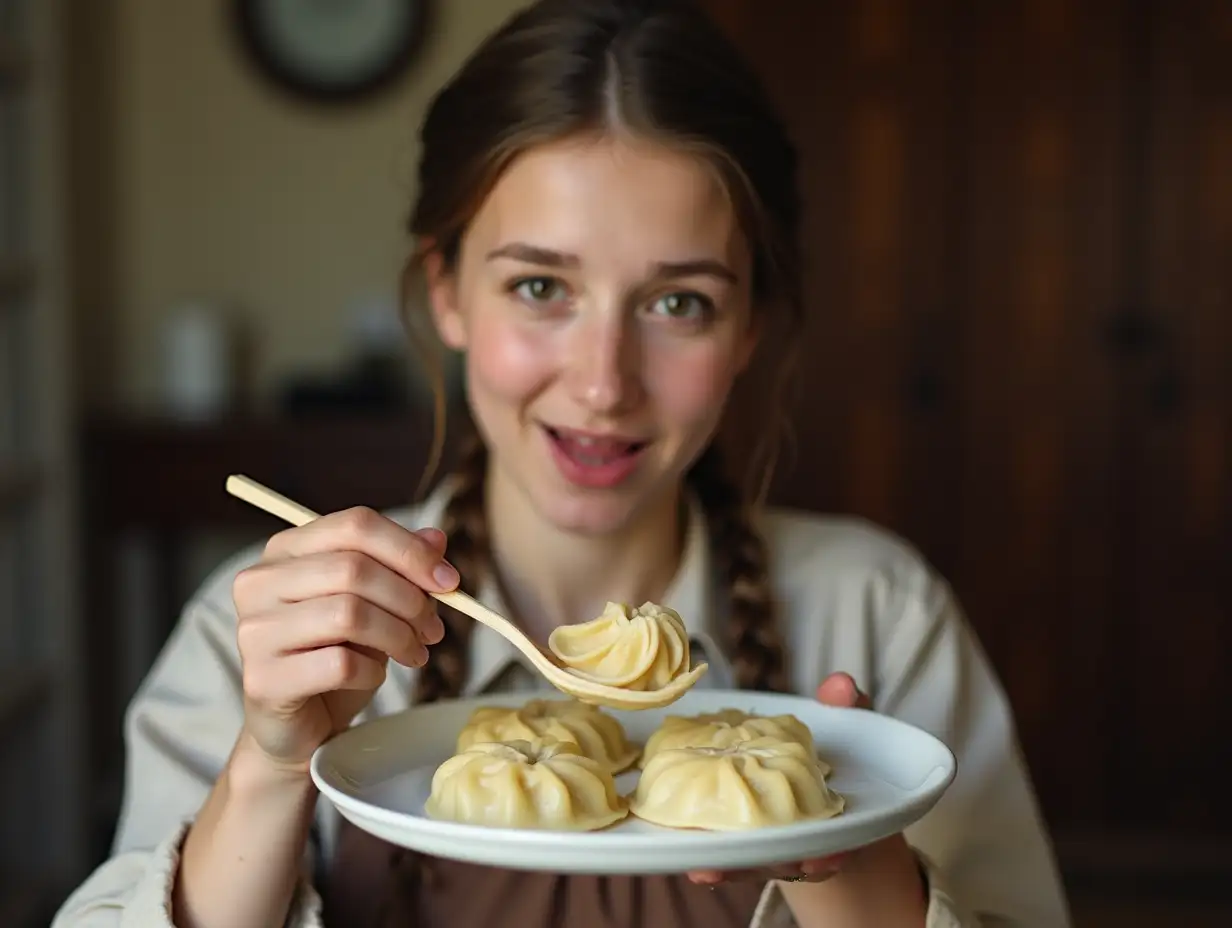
(838, 689)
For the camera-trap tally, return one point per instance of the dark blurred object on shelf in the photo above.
(372, 386)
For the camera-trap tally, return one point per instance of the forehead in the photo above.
(610, 200)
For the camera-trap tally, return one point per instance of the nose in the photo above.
(604, 364)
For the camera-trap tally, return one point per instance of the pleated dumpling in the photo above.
(750, 784)
(727, 727)
(597, 735)
(516, 784)
(640, 648)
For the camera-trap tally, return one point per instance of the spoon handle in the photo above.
(472, 607)
(271, 501)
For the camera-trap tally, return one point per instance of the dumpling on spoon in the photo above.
(633, 648)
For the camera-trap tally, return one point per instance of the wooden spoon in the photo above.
(563, 678)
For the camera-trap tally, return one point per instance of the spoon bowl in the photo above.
(549, 665)
(564, 678)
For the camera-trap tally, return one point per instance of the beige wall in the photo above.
(196, 180)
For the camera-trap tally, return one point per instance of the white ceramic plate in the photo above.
(379, 775)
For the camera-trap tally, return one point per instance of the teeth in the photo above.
(589, 441)
(594, 451)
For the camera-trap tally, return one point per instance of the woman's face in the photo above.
(602, 298)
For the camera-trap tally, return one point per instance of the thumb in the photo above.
(839, 689)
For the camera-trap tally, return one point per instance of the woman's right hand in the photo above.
(320, 614)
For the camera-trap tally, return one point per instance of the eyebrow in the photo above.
(547, 257)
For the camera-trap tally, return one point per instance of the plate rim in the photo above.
(758, 844)
(359, 812)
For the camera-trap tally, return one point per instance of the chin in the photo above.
(594, 513)
(587, 513)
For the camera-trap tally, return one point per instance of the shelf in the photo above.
(329, 463)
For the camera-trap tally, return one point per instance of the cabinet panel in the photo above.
(1019, 229)
(1043, 262)
(869, 92)
(1178, 616)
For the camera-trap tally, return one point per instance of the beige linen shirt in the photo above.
(853, 598)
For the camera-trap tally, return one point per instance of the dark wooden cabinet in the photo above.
(1019, 244)
(1177, 448)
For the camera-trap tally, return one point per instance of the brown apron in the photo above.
(373, 884)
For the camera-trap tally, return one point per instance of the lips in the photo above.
(594, 460)
(594, 450)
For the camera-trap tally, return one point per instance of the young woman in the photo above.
(606, 222)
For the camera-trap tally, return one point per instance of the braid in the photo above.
(753, 636)
(465, 524)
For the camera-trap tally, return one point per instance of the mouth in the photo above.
(592, 450)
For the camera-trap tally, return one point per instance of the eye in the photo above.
(685, 306)
(538, 289)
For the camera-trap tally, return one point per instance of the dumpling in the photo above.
(516, 784)
(727, 727)
(751, 784)
(640, 648)
(597, 735)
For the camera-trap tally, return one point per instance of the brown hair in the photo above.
(658, 69)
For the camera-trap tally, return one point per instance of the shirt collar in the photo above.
(692, 593)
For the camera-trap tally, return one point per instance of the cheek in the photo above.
(690, 388)
(506, 363)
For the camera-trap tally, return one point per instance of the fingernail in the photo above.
(433, 536)
(445, 575)
(432, 630)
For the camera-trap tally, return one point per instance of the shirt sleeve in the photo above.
(983, 848)
(179, 731)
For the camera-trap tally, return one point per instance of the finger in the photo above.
(823, 866)
(434, 537)
(373, 653)
(289, 680)
(820, 877)
(714, 877)
(349, 620)
(342, 619)
(416, 556)
(265, 586)
(839, 689)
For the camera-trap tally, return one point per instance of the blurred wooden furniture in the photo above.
(161, 485)
(1018, 242)
(42, 778)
